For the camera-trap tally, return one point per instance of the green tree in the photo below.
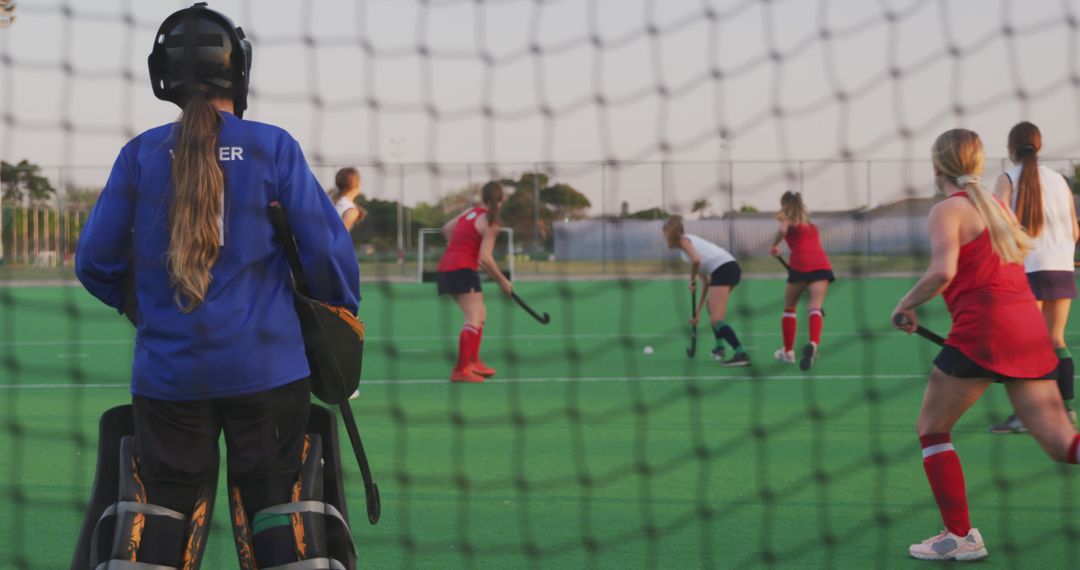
(557, 202)
(425, 215)
(80, 197)
(650, 214)
(699, 207)
(24, 181)
(748, 209)
(563, 201)
(379, 228)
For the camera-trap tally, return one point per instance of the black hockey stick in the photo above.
(542, 319)
(782, 262)
(690, 352)
(292, 255)
(371, 490)
(899, 320)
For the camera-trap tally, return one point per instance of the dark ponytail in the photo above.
(492, 194)
(1025, 141)
(196, 207)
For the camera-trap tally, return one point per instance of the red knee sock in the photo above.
(787, 325)
(1074, 450)
(815, 325)
(479, 339)
(468, 345)
(942, 467)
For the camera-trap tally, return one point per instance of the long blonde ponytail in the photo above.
(792, 209)
(196, 208)
(959, 156)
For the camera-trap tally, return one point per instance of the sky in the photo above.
(840, 99)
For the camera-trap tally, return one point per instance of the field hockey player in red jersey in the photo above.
(471, 240)
(997, 335)
(808, 270)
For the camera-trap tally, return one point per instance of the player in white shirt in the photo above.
(1044, 205)
(346, 191)
(719, 273)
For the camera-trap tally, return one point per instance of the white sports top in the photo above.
(343, 205)
(712, 255)
(1054, 245)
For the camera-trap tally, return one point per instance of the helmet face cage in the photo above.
(200, 50)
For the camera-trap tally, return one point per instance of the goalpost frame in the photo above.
(420, 251)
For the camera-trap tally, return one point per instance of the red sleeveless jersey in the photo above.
(463, 251)
(806, 251)
(996, 322)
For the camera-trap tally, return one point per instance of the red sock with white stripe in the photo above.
(787, 325)
(1074, 450)
(942, 467)
(815, 325)
(468, 344)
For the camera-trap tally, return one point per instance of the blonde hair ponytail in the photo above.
(198, 188)
(792, 209)
(959, 156)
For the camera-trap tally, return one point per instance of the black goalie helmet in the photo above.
(198, 50)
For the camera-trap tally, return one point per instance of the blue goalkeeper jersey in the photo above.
(245, 337)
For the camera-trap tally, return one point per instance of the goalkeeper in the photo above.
(218, 344)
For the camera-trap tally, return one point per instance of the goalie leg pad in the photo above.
(311, 530)
(123, 528)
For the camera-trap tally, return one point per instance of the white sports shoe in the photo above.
(785, 356)
(948, 546)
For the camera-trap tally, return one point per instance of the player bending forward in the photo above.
(471, 239)
(719, 273)
(997, 335)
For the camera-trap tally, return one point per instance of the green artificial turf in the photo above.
(583, 451)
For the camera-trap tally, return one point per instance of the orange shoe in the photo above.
(466, 375)
(483, 369)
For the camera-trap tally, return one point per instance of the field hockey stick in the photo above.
(899, 320)
(292, 255)
(693, 328)
(782, 262)
(371, 490)
(542, 319)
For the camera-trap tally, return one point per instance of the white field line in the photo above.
(538, 380)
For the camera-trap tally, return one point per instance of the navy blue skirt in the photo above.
(728, 274)
(810, 276)
(1052, 285)
(459, 281)
(955, 363)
